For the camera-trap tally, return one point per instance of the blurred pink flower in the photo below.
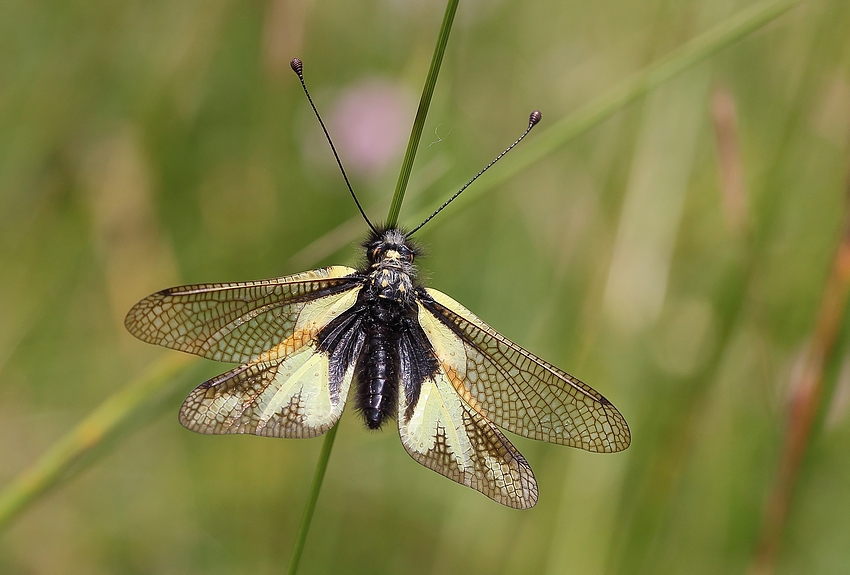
(369, 124)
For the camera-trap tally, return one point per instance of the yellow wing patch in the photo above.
(515, 389)
(235, 322)
(292, 398)
(285, 392)
(445, 434)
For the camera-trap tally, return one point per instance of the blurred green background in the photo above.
(674, 257)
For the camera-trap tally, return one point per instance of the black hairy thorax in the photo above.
(380, 336)
(389, 257)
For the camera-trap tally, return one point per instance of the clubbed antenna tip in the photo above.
(298, 66)
(533, 119)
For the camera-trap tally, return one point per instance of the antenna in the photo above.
(298, 67)
(533, 119)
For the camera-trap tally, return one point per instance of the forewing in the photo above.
(443, 433)
(515, 389)
(291, 396)
(236, 322)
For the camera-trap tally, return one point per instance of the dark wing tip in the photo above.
(132, 319)
(622, 433)
(530, 493)
(627, 438)
(135, 321)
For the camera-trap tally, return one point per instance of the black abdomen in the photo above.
(378, 373)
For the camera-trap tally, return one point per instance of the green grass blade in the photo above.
(549, 139)
(392, 218)
(312, 498)
(421, 113)
(106, 422)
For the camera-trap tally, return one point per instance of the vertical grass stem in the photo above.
(392, 218)
(310, 506)
(805, 403)
(421, 113)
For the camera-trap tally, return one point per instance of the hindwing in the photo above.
(236, 322)
(296, 389)
(442, 432)
(292, 397)
(513, 388)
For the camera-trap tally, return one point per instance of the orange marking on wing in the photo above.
(288, 346)
(462, 391)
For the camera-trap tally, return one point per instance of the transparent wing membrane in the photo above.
(294, 382)
(290, 396)
(515, 389)
(445, 434)
(235, 322)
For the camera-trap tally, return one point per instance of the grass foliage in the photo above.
(681, 252)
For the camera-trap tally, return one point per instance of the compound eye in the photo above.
(405, 253)
(376, 253)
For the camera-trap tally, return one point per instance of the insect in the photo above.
(412, 354)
